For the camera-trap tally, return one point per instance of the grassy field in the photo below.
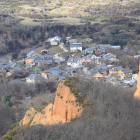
(29, 21)
(55, 49)
(69, 20)
(29, 7)
(75, 21)
(81, 40)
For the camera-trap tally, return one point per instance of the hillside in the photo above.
(27, 24)
(83, 109)
(45, 9)
(109, 115)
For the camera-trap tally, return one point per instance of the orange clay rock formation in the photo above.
(137, 93)
(30, 113)
(64, 109)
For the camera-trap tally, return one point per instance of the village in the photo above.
(95, 62)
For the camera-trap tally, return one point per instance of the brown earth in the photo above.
(64, 109)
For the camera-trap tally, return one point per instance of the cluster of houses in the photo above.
(75, 65)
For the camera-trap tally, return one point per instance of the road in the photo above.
(61, 45)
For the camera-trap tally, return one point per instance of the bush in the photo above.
(119, 20)
(138, 29)
(115, 31)
(14, 55)
(130, 24)
(7, 100)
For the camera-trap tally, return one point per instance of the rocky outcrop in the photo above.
(44, 116)
(137, 93)
(64, 109)
(65, 105)
(30, 113)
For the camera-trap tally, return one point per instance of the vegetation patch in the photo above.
(12, 133)
(74, 119)
(39, 109)
(7, 100)
(70, 83)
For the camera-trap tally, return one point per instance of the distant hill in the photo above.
(77, 8)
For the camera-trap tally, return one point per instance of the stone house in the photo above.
(89, 58)
(54, 43)
(75, 55)
(104, 71)
(29, 60)
(130, 81)
(115, 70)
(3, 60)
(74, 62)
(108, 54)
(115, 47)
(105, 46)
(98, 76)
(91, 50)
(55, 38)
(53, 73)
(45, 74)
(32, 53)
(111, 80)
(100, 51)
(74, 47)
(34, 78)
(68, 38)
(19, 70)
(46, 57)
(126, 73)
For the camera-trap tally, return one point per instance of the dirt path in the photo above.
(61, 45)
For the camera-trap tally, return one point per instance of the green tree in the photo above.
(115, 31)
(7, 100)
(14, 55)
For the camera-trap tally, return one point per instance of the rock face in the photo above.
(30, 113)
(64, 109)
(137, 93)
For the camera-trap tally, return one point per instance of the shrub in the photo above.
(14, 55)
(7, 100)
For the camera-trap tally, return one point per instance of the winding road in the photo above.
(61, 45)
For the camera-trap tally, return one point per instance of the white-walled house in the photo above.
(129, 81)
(74, 47)
(74, 62)
(55, 41)
(34, 78)
(116, 47)
(56, 38)
(89, 58)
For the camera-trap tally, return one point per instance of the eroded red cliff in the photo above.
(64, 109)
